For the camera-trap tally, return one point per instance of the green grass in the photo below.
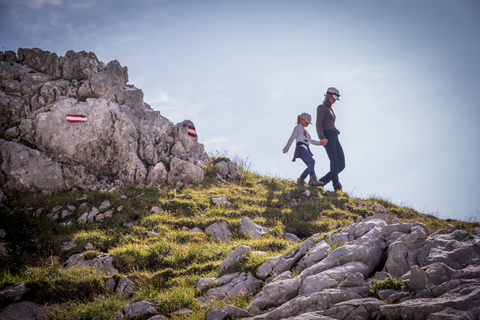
(164, 261)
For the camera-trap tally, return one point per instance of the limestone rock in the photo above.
(125, 287)
(275, 294)
(228, 170)
(204, 283)
(231, 286)
(235, 257)
(215, 313)
(14, 292)
(184, 171)
(219, 231)
(317, 254)
(352, 280)
(110, 285)
(331, 277)
(249, 227)
(90, 123)
(235, 312)
(450, 314)
(418, 279)
(461, 298)
(26, 169)
(279, 264)
(103, 263)
(303, 304)
(104, 205)
(25, 310)
(291, 236)
(221, 202)
(139, 309)
(157, 174)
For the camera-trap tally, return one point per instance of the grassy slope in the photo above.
(166, 265)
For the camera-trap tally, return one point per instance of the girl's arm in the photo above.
(292, 137)
(310, 140)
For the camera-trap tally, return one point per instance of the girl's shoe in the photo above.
(314, 182)
(300, 180)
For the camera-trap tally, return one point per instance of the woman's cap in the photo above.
(307, 117)
(334, 92)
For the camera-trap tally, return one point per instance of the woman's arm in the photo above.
(321, 111)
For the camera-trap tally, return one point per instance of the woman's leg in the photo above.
(337, 159)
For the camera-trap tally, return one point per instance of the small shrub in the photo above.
(389, 283)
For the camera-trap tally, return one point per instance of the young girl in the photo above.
(302, 149)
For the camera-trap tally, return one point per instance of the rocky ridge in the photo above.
(74, 121)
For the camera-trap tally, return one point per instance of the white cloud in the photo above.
(41, 3)
(161, 97)
(215, 140)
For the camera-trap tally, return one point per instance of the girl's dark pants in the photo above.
(308, 160)
(336, 156)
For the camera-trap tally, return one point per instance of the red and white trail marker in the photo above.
(75, 118)
(192, 132)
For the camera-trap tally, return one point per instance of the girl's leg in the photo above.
(309, 161)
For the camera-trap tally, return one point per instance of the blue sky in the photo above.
(408, 72)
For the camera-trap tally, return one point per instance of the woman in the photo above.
(302, 149)
(328, 135)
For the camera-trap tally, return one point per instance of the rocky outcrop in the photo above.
(442, 268)
(74, 121)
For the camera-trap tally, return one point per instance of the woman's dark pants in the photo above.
(337, 159)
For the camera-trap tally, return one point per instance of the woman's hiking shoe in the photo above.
(338, 187)
(300, 181)
(314, 182)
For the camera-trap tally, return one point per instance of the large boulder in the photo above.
(95, 137)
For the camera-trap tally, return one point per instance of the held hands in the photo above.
(323, 142)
